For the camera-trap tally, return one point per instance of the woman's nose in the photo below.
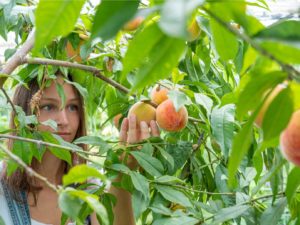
(62, 118)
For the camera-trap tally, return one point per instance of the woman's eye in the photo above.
(73, 108)
(47, 107)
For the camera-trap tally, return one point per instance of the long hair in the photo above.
(20, 180)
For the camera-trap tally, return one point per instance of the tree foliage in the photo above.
(222, 168)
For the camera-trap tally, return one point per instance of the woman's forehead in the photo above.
(69, 90)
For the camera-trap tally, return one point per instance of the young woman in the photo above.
(41, 202)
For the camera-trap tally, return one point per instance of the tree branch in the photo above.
(286, 67)
(17, 58)
(38, 142)
(29, 170)
(93, 70)
(9, 100)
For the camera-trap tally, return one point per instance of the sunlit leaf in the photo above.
(111, 16)
(55, 18)
(81, 173)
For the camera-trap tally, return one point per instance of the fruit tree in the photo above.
(222, 86)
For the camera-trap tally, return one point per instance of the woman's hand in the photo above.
(131, 133)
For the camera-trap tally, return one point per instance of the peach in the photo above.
(168, 119)
(133, 24)
(143, 112)
(290, 139)
(159, 94)
(270, 98)
(116, 120)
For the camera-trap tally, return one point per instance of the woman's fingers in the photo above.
(132, 131)
(123, 130)
(154, 129)
(144, 130)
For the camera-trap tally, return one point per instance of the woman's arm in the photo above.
(130, 133)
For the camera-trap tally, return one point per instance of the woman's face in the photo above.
(67, 118)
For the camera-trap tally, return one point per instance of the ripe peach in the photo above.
(116, 120)
(133, 24)
(290, 139)
(159, 94)
(75, 53)
(168, 119)
(264, 108)
(143, 112)
(194, 31)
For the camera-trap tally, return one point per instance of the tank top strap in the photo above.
(19, 211)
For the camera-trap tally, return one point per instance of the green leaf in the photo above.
(186, 220)
(240, 147)
(229, 213)
(61, 93)
(3, 29)
(139, 203)
(180, 153)
(254, 91)
(283, 30)
(173, 195)
(80, 174)
(275, 120)
(93, 202)
(50, 123)
(82, 90)
(179, 99)
(152, 165)
(22, 150)
(273, 172)
(134, 56)
(121, 168)
(273, 214)
(293, 182)
(94, 141)
(175, 24)
(140, 183)
(69, 204)
(222, 124)
(285, 52)
(225, 42)
(58, 152)
(166, 156)
(111, 16)
(205, 101)
(168, 179)
(160, 62)
(55, 18)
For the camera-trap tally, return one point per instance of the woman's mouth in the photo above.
(63, 133)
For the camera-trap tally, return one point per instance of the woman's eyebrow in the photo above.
(73, 99)
(49, 99)
(57, 100)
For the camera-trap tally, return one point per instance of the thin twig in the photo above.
(288, 68)
(9, 100)
(29, 170)
(38, 142)
(196, 191)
